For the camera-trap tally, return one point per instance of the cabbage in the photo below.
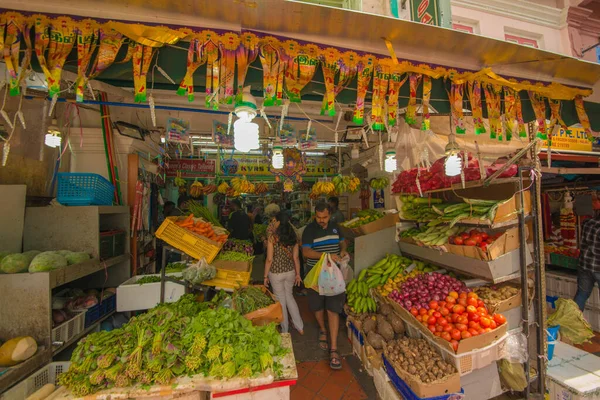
(47, 261)
(3, 254)
(64, 253)
(32, 253)
(15, 263)
(76, 258)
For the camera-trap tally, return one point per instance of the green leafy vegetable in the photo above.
(250, 298)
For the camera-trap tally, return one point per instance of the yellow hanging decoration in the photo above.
(380, 87)
(18, 29)
(510, 112)
(492, 100)
(365, 68)
(228, 45)
(195, 58)
(273, 69)
(474, 92)
(210, 46)
(151, 36)
(411, 109)
(142, 58)
(301, 65)
(331, 67)
(555, 117)
(87, 40)
(456, 105)
(539, 108)
(583, 118)
(426, 124)
(396, 82)
(245, 55)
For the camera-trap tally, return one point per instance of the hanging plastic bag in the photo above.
(311, 281)
(512, 375)
(573, 325)
(514, 348)
(347, 272)
(331, 280)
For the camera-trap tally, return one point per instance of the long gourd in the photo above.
(43, 392)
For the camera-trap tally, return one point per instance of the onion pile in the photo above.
(420, 290)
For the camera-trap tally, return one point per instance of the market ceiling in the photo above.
(338, 27)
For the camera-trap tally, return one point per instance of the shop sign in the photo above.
(318, 167)
(261, 166)
(572, 139)
(178, 130)
(220, 135)
(425, 11)
(191, 168)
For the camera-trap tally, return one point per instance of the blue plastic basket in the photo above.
(83, 189)
(407, 392)
(101, 309)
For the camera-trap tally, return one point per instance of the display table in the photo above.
(573, 374)
(200, 388)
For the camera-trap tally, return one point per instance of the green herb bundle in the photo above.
(234, 256)
(249, 299)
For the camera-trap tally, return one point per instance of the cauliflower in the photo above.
(47, 261)
(76, 258)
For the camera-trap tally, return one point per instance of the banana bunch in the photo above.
(325, 188)
(341, 183)
(353, 185)
(209, 189)
(380, 183)
(196, 189)
(394, 283)
(179, 181)
(231, 192)
(261, 188)
(242, 185)
(223, 188)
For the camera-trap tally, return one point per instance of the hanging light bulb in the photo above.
(390, 161)
(52, 138)
(277, 159)
(453, 163)
(245, 136)
(355, 152)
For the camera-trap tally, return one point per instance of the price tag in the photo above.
(409, 269)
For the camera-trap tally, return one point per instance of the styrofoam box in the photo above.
(274, 393)
(34, 382)
(132, 296)
(385, 388)
(467, 362)
(482, 384)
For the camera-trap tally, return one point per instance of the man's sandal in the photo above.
(334, 359)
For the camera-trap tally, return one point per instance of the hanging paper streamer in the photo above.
(110, 44)
(539, 108)
(395, 84)
(380, 86)
(273, 68)
(220, 135)
(244, 56)
(347, 66)
(474, 91)
(520, 120)
(456, 104)
(411, 108)
(58, 39)
(492, 101)
(426, 123)
(26, 62)
(87, 36)
(365, 68)
(583, 118)
(331, 67)
(287, 135)
(210, 46)
(195, 58)
(308, 139)
(555, 117)
(228, 44)
(18, 29)
(300, 67)
(142, 58)
(510, 112)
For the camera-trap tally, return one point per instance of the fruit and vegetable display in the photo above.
(363, 217)
(223, 187)
(234, 256)
(474, 238)
(261, 188)
(173, 340)
(321, 188)
(250, 298)
(196, 189)
(175, 267)
(435, 212)
(379, 183)
(434, 178)
(419, 291)
(200, 211)
(68, 302)
(494, 294)
(209, 188)
(346, 184)
(148, 279)
(203, 228)
(179, 181)
(35, 261)
(418, 358)
(239, 246)
(199, 272)
(242, 185)
(17, 350)
(435, 235)
(382, 327)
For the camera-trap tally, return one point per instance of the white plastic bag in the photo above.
(331, 280)
(347, 272)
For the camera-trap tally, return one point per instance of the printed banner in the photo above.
(191, 168)
(572, 139)
(378, 199)
(220, 136)
(177, 130)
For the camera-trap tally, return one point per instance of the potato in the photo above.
(375, 340)
(369, 325)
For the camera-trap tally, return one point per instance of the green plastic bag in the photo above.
(572, 324)
(311, 281)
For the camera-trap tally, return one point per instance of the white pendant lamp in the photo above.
(245, 132)
(277, 159)
(390, 161)
(52, 138)
(453, 163)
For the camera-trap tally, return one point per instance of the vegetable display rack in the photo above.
(82, 189)
(190, 243)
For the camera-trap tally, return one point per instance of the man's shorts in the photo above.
(335, 304)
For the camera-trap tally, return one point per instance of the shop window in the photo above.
(521, 40)
(463, 28)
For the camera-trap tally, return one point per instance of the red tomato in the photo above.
(451, 240)
(459, 241)
(480, 303)
(476, 238)
(472, 302)
(465, 334)
(458, 309)
(483, 246)
(437, 314)
(500, 319)
(431, 311)
(470, 242)
(471, 309)
(431, 320)
(463, 319)
(431, 328)
(450, 300)
(482, 331)
(455, 334)
(442, 304)
(473, 325)
(482, 310)
(487, 330)
(473, 232)
(448, 328)
(493, 324)
(461, 327)
(474, 317)
(472, 294)
(414, 311)
(474, 332)
(464, 235)
(463, 302)
(443, 311)
(453, 294)
(454, 318)
(433, 305)
(462, 295)
(484, 235)
(442, 321)
(446, 336)
(422, 311)
(454, 344)
(439, 328)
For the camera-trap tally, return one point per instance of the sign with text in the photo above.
(570, 139)
(191, 168)
(177, 130)
(261, 166)
(425, 12)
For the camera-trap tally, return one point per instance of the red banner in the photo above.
(191, 168)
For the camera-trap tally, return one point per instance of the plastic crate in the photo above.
(43, 376)
(406, 392)
(190, 243)
(564, 261)
(241, 277)
(101, 309)
(68, 330)
(83, 189)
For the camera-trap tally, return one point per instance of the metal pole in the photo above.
(524, 278)
(162, 274)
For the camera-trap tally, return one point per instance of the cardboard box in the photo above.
(239, 266)
(507, 210)
(464, 345)
(508, 242)
(504, 305)
(387, 221)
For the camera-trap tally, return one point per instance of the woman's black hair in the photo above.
(285, 232)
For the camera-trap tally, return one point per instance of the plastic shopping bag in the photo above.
(347, 272)
(331, 280)
(311, 281)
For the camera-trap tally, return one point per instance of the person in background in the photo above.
(239, 224)
(258, 216)
(336, 214)
(288, 210)
(169, 210)
(282, 269)
(588, 272)
(324, 236)
(182, 204)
